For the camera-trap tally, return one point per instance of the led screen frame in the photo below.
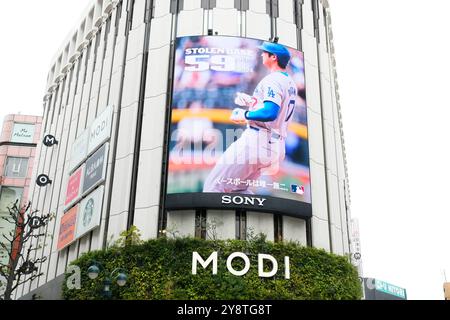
(194, 199)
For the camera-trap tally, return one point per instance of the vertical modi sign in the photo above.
(100, 130)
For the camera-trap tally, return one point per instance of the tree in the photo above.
(22, 266)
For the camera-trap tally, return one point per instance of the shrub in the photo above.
(161, 269)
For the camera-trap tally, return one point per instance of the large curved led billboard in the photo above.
(238, 133)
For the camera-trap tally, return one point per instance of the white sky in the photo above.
(393, 72)
(393, 67)
(31, 32)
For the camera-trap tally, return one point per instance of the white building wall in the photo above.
(294, 230)
(109, 74)
(258, 222)
(220, 224)
(181, 223)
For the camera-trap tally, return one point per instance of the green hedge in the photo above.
(161, 269)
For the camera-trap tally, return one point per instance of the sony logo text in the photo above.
(238, 200)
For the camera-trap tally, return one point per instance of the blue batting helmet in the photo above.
(280, 51)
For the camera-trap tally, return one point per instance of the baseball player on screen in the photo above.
(267, 113)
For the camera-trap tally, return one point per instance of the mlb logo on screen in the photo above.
(297, 189)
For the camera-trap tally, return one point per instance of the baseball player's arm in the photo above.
(267, 113)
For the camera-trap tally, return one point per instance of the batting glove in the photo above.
(244, 100)
(238, 116)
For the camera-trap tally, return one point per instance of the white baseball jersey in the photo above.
(279, 88)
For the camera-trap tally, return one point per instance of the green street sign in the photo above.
(390, 289)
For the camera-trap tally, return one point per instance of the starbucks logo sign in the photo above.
(88, 212)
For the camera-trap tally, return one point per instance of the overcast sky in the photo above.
(393, 72)
(393, 66)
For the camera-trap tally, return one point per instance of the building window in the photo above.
(4, 254)
(278, 227)
(16, 167)
(8, 195)
(241, 225)
(200, 224)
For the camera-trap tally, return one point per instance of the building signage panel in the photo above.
(95, 172)
(79, 150)
(239, 122)
(73, 191)
(23, 133)
(355, 244)
(90, 212)
(67, 228)
(100, 130)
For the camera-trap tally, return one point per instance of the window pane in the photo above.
(16, 167)
(4, 256)
(8, 195)
(241, 225)
(200, 224)
(244, 226)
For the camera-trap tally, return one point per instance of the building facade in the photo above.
(110, 100)
(19, 138)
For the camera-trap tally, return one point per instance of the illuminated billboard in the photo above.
(238, 134)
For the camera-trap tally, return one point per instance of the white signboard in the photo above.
(79, 150)
(100, 130)
(90, 212)
(22, 133)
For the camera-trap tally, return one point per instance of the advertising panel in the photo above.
(238, 135)
(73, 191)
(95, 172)
(79, 150)
(100, 130)
(67, 228)
(22, 133)
(90, 212)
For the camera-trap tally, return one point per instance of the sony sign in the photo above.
(239, 200)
